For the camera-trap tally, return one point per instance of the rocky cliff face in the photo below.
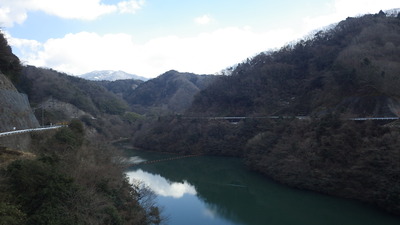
(15, 110)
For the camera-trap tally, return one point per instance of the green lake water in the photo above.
(219, 191)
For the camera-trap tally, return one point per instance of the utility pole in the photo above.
(40, 107)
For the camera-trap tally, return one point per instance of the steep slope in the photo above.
(42, 84)
(63, 177)
(60, 98)
(122, 88)
(15, 111)
(9, 63)
(350, 68)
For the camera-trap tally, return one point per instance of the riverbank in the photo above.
(349, 159)
(231, 194)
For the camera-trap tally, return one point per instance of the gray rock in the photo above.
(15, 110)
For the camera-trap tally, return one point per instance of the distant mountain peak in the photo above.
(110, 75)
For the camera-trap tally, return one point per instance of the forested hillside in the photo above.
(88, 96)
(122, 88)
(15, 110)
(63, 176)
(9, 63)
(349, 70)
(171, 92)
(57, 97)
(111, 107)
(65, 180)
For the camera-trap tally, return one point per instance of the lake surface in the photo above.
(220, 191)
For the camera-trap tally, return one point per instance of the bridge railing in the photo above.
(374, 118)
(284, 117)
(31, 130)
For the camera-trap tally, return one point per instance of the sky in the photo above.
(150, 37)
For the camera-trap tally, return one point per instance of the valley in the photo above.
(320, 114)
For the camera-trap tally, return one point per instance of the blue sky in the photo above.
(149, 37)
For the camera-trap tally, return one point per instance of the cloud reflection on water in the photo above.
(209, 213)
(162, 186)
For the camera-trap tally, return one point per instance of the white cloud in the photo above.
(15, 11)
(206, 53)
(73, 9)
(10, 14)
(130, 6)
(83, 52)
(203, 20)
(26, 48)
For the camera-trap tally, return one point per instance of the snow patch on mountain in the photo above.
(110, 75)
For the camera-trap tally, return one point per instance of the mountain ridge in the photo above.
(350, 70)
(110, 75)
(355, 61)
(170, 92)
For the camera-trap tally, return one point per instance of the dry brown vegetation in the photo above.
(349, 70)
(8, 156)
(72, 182)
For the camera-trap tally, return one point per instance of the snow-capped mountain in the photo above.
(110, 75)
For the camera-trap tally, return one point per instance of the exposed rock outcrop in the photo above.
(15, 111)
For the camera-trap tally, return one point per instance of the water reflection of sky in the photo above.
(227, 195)
(180, 200)
(162, 186)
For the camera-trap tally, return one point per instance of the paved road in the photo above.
(30, 130)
